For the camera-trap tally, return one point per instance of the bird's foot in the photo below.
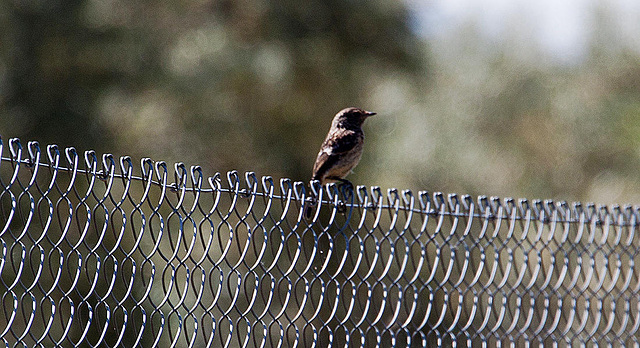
(347, 190)
(344, 183)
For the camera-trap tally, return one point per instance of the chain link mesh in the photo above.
(101, 252)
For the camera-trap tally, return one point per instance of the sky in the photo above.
(562, 28)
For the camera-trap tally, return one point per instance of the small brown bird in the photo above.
(342, 148)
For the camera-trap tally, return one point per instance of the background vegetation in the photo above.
(253, 84)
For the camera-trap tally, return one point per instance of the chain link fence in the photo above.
(101, 252)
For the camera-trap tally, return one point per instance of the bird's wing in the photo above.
(323, 163)
(333, 147)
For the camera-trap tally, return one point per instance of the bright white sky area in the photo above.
(563, 28)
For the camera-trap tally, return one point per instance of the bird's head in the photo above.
(351, 117)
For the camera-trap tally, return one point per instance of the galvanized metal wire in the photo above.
(101, 252)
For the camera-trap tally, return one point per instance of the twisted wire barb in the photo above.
(94, 252)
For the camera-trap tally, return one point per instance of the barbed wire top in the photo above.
(99, 251)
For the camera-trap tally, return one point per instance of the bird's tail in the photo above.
(308, 209)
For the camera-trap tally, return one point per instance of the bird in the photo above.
(342, 148)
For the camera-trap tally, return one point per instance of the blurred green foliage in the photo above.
(253, 85)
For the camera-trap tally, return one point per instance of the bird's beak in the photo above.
(369, 113)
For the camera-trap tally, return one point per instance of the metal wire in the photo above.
(93, 253)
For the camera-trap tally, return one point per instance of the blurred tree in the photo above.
(253, 84)
(245, 84)
(508, 120)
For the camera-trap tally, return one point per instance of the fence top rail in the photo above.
(192, 181)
